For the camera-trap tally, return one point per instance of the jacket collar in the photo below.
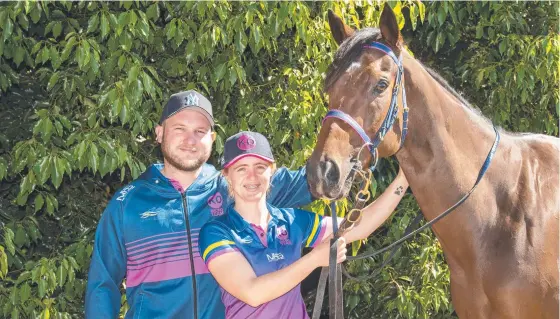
(153, 175)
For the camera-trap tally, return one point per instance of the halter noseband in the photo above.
(391, 112)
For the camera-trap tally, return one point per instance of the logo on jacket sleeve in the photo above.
(283, 236)
(215, 202)
(124, 192)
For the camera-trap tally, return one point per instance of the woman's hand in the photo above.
(321, 252)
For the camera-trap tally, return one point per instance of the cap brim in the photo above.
(194, 108)
(235, 159)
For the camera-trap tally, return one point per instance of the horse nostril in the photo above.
(331, 171)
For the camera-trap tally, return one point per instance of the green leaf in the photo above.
(148, 84)
(47, 129)
(440, 40)
(68, 48)
(45, 169)
(421, 10)
(3, 263)
(42, 288)
(3, 170)
(122, 61)
(104, 26)
(61, 275)
(71, 274)
(39, 201)
(219, 72)
(56, 173)
(94, 156)
(441, 15)
(36, 14)
(256, 31)
(23, 21)
(9, 240)
(133, 73)
(153, 12)
(479, 31)
(93, 23)
(50, 206)
(27, 183)
(21, 237)
(7, 29)
(122, 22)
(57, 29)
(24, 292)
(171, 29)
(53, 80)
(413, 16)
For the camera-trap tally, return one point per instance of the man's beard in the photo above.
(180, 163)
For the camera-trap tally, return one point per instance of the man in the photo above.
(148, 233)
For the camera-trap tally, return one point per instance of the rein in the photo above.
(334, 270)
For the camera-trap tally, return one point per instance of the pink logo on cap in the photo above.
(246, 142)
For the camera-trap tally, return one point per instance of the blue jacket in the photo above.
(142, 236)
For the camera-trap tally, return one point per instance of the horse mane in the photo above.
(351, 49)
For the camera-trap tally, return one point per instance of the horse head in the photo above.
(361, 83)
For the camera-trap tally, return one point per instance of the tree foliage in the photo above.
(82, 85)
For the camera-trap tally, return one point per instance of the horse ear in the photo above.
(390, 28)
(340, 31)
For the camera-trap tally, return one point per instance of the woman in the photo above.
(254, 250)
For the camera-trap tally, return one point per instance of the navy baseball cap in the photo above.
(245, 144)
(187, 100)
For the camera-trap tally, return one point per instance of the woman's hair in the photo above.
(230, 188)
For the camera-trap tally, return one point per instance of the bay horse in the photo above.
(501, 245)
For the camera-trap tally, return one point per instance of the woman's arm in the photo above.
(376, 213)
(254, 291)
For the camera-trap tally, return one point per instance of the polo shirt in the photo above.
(288, 231)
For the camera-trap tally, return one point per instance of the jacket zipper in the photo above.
(191, 257)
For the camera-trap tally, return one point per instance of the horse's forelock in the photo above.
(348, 52)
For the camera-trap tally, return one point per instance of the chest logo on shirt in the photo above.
(283, 236)
(215, 202)
(274, 257)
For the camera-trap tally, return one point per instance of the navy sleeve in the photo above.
(289, 188)
(312, 226)
(215, 241)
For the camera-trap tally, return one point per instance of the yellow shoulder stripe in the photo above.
(313, 231)
(216, 245)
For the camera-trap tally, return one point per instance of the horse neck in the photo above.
(444, 150)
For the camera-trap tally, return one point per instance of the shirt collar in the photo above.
(240, 224)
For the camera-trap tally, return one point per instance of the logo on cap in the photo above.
(191, 100)
(246, 142)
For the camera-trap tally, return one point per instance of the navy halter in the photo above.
(391, 112)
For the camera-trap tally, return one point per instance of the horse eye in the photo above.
(381, 86)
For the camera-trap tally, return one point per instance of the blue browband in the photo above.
(391, 112)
